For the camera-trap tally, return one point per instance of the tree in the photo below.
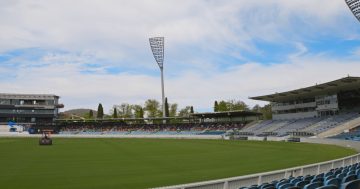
(91, 114)
(141, 113)
(167, 113)
(256, 108)
(222, 106)
(191, 109)
(152, 108)
(216, 106)
(173, 110)
(115, 113)
(185, 112)
(100, 111)
(234, 105)
(124, 110)
(266, 111)
(230, 105)
(138, 111)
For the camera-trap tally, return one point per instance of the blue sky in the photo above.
(98, 51)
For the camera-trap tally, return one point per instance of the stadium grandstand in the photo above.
(323, 109)
(28, 109)
(217, 123)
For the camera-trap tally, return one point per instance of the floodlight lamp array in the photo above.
(354, 6)
(157, 48)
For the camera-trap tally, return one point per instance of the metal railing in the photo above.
(248, 180)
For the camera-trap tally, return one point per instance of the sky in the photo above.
(97, 51)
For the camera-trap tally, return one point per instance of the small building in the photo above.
(332, 98)
(28, 108)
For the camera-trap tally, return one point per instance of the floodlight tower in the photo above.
(157, 48)
(354, 6)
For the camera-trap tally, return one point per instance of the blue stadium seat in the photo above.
(328, 174)
(266, 185)
(351, 173)
(349, 178)
(261, 185)
(355, 184)
(340, 176)
(334, 181)
(274, 181)
(294, 187)
(253, 187)
(308, 177)
(285, 186)
(301, 184)
(294, 181)
(281, 183)
(328, 187)
(270, 187)
(321, 180)
(357, 172)
(320, 175)
(338, 171)
(313, 185)
(329, 177)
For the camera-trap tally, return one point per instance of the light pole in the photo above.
(157, 48)
(354, 7)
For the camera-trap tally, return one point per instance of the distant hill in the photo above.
(82, 112)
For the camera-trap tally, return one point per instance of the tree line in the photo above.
(152, 108)
(236, 105)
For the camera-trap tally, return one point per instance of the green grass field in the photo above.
(144, 163)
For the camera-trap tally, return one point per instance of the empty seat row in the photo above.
(340, 178)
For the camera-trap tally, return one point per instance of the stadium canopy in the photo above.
(332, 87)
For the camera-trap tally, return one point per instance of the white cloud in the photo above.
(112, 26)
(115, 33)
(190, 88)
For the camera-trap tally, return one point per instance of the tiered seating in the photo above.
(279, 127)
(352, 135)
(345, 178)
(330, 122)
(297, 125)
(258, 128)
(306, 125)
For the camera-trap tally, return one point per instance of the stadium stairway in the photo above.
(341, 128)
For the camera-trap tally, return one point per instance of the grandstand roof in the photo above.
(226, 114)
(332, 87)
